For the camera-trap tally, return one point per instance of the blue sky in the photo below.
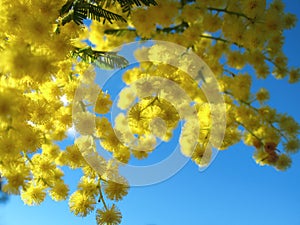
(234, 190)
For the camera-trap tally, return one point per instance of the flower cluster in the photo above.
(38, 80)
(229, 36)
(41, 96)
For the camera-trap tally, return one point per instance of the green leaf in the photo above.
(95, 12)
(128, 4)
(110, 60)
(102, 59)
(78, 10)
(66, 7)
(105, 3)
(118, 32)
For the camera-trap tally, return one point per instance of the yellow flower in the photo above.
(33, 195)
(290, 21)
(253, 8)
(289, 125)
(255, 57)
(262, 95)
(85, 123)
(42, 166)
(126, 98)
(59, 133)
(7, 104)
(60, 46)
(47, 9)
(164, 13)
(143, 22)
(211, 23)
(122, 153)
(268, 134)
(59, 192)
(190, 13)
(277, 5)
(9, 147)
(131, 75)
(115, 191)
(169, 114)
(262, 71)
(201, 155)
(51, 90)
(31, 138)
(260, 156)
(255, 38)
(111, 216)
(294, 75)
(81, 203)
(236, 59)
(103, 127)
(110, 142)
(233, 29)
(15, 181)
(292, 146)
(64, 115)
(17, 61)
(232, 136)
(51, 151)
(273, 22)
(267, 113)
(103, 103)
(88, 186)
(283, 162)
(192, 34)
(41, 113)
(240, 86)
(111, 170)
(71, 157)
(38, 29)
(140, 154)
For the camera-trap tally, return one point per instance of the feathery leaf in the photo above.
(102, 59)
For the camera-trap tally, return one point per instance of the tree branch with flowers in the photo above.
(47, 48)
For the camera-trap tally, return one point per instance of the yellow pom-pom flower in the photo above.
(283, 162)
(103, 103)
(81, 204)
(116, 191)
(33, 195)
(59, 192)
(111, 216)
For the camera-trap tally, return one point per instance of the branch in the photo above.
(239, 14)
(256, 110)
(217, 39)
(119, 32)
(254, 135)
(178, 28)
(101, 198)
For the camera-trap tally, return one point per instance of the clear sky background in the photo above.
(234, 190)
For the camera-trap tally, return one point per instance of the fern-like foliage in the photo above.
(66, 7)
(105, 3)
(125, 4)
(78, 10)
(96, 13)
(128, 4)
(102, 59)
